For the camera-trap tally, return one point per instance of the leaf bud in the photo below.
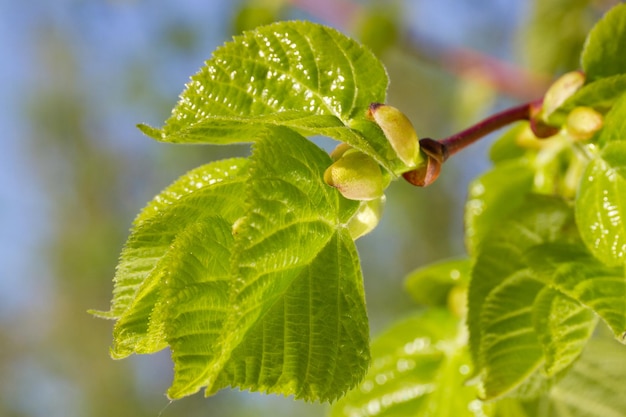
(583, 122)
(356, 175)
(366, 217)
(398, 130)
(562, 89)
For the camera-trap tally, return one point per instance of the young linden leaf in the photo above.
(563, 326)
(301, 75)
(571, 270)
(603, 54)
(502, 292)
(167, 214)
(510, 350)
(296, 323)
(210, 175)
(197, 294)
(419, 368)
(601, 205)
(594, 386)
(145, 259)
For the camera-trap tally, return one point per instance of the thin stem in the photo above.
(460, 140)
(438, 151)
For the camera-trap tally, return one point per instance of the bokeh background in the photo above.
(77, 75)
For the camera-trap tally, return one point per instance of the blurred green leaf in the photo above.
(419, 368)
(595, 384)
(378, 27)
(603, 54)
(506, 147)
(615, 120)
(555, 34)
(431, 285)
(494, 196)
(571, 270)
(507, 293)
(563, 326)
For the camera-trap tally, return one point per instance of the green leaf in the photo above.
(213, 189)
(600, 94)
(603, 54)
(510, 352)
(211, 175)
(296, 323)
(196, 294)
(494, 196)
(297, 74)
(506, 147)
(502, 294)
(431, 284)
(563, 326)
(614, 122)
(571, 270)
(594, 386)
(419, 368)
(601, 205)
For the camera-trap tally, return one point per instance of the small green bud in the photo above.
(398, 130)
(366, 218)
(356, 175)
(583, 122)
(562, 89)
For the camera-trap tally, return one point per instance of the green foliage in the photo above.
(605, 45)
(247, 268)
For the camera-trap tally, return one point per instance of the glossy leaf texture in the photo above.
(247, 271)
(204, 191)
(302, 75)
(532, 299)
(297, 323)
(603, 54)
(601, 200)
(419, 368)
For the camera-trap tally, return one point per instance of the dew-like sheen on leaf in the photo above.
(296, 321)
(601, 204)
(200, 192)
(302, 75)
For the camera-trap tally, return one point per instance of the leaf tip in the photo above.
(102, 314)
(150, 131)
